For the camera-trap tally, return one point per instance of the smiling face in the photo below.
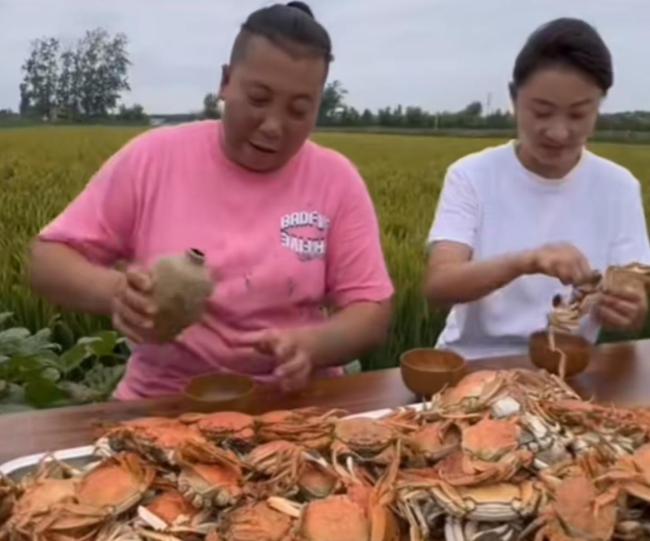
(556, 109)
(271, 100)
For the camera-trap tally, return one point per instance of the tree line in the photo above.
(85, 82)
(335, 112)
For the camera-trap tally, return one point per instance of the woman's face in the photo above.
(271, 104)
(556, 110)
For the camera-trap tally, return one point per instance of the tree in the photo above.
(348, 116)
(68, 89)
(211, 106)
(474, 109)
(415, 117)
(332, 101)
(132, 114)
(367, 118)
(398, 116)
(85, 81)
(102, 71)
(385, 117)
(38, 87)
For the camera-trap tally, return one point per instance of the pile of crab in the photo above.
(502, 455)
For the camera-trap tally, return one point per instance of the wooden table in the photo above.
(619, 373)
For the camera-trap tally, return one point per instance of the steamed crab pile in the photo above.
(502, 455)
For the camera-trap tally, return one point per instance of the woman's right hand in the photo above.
(562, 261)
(134, 308)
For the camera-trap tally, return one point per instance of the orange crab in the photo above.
(473, 392)
(489, 452)
(631, 474)
(578, 512)
(170, 507)
(227, 428)
(171, 515)
(210, 476)
(310, 427)
(433, 441)
(364, 439)
(363, 513)
(490, 502)
(289, 469)
(49, 507)
(253, 522)
(157, 438)
(8, 495)
(317, 480)
(493, 446)
(116, 485)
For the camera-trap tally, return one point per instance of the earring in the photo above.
(221, 106)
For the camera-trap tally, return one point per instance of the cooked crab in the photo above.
(158, 438)
(210, 477)
(228, 428)
(312, 428)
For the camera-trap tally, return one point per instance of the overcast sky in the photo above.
(438, 54)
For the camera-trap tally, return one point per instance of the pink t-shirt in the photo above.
(278, 245)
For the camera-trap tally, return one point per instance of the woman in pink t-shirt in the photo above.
(287, 228)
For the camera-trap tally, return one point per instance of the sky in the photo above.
(436, 54)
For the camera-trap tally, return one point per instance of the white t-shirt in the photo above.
(493, 204)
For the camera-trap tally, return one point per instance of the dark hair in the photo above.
(285, 25)
(565, 42)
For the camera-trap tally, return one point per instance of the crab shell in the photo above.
(434, 441)
(224, 427)
(475, 390)
(496, 502)
(317, 480)
(69, 521)
(491, 439)
(158, 438)
(578, 511)
(8, 497)
(310, 427)
(276, 458)
(336, 517)
(171, 508)
(255, 522)
(42, 495)
(117, 484)
(361, 514)
(368, 439)
(631, 474)
(209, 477)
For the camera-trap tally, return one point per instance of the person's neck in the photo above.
(550, 172)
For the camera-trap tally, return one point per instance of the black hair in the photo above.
(286, 25)
(565, 42)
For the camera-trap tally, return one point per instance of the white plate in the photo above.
(20, 466)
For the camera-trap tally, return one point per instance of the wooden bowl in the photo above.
(577, 349)
(425, 371)
(220, 392)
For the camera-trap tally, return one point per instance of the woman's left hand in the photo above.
(623, 310)
(293, 356)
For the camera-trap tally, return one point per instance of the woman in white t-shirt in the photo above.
(519, 223)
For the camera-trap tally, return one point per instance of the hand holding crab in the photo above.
(622, 309)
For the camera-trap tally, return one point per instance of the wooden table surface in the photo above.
(619, 373)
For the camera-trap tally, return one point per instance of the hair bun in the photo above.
(302, 7)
